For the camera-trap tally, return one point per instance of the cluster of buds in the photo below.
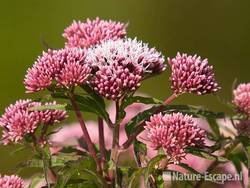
(121, 65)
(12, 181)
(18, 120)
(191, 74)
(65, 66)
(242, 98)
(92, 32)
(174, 133)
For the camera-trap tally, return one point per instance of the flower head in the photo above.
(73, 71)
(127, 52)
(174, 132)
(65, 66)
(92, 32)
(119, 66)
(242, 98)
(12, 181)
(116, 81)
(40, 76)
(191, 74)
(18, 120)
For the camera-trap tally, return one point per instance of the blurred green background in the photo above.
(218, 30)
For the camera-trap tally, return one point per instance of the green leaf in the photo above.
(61, 158)
(151, 167)
(134, 179)
(35, 181)
(136, 99)
(140, 151)
(196, 111)
(187, 167)
(88, 104)
(46, 162)
(19, 150)
(159, 181)
(130, 126)
(48, 107)
(84, 168)
(239, 154)
(94, 95)
(237, 164)
(214, 126)
(204, 154)
(244, 140)
(33, 163)
(186, 109)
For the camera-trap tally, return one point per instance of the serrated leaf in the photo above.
(196, 111)
(189, 168)
(33, 163)
(49, 107)
(186, 109)
(91, 177)
(134, 179)
(130, 126)
(205, 154)
(94, 95)
(140, 151)
(35, 181)
(19, 150)
(214, 126)
(61, 158)
(84, 168)
(244, 140)
(237, 164)
(159, 181)
(88, 104)
(151, 167)
(136, 99)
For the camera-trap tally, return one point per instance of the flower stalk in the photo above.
(115, 145)
(87, 138)
(101, 142)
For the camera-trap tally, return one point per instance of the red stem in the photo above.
(170, 99)
(87, 138)
(101, 141)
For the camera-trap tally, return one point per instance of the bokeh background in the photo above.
(218, 30)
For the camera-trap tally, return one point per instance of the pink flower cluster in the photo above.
(12, 181)
(92, 32)
(18, 120)
(65, 66)
(174, 132)
(191, 74)
(242, 98)
(121, 65)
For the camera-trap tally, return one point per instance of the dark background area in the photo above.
(217, 30)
